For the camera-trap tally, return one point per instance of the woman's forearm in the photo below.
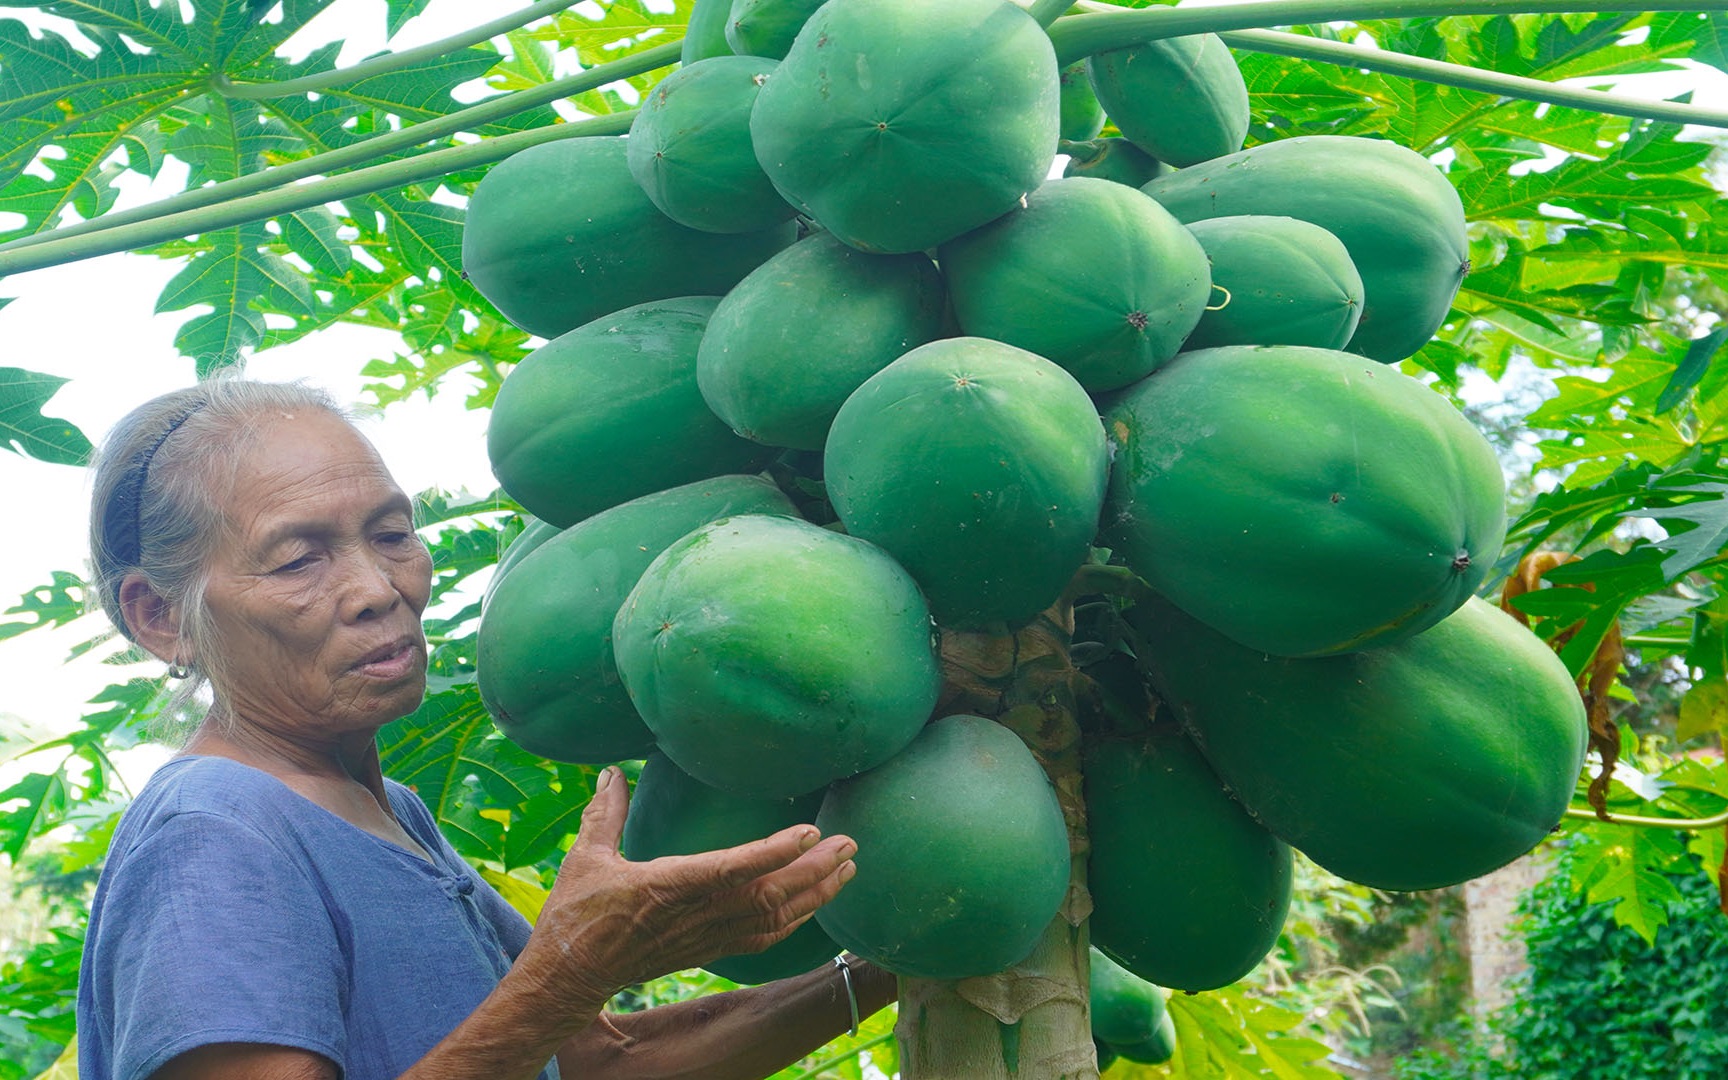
(511, 1035)
(739, 1035)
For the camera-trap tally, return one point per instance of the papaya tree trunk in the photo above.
(1032, 1021)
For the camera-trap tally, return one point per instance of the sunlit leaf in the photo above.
(26, 429)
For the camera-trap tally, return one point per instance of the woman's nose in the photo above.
(369, 587)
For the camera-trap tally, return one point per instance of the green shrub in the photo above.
(1599, 1003)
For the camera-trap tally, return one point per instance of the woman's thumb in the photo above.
(603, 818)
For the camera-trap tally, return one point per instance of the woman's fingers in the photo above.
(800, 853)
(602, 826)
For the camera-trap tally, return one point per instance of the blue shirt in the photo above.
(232, 909)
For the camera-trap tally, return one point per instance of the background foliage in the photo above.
(1599, 252)
(1601, 1001)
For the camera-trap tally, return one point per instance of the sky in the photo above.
(92, 322)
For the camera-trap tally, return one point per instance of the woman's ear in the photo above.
(152, 620)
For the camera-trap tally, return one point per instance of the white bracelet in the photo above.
(851, 998)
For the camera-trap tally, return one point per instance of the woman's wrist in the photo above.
(873, 987)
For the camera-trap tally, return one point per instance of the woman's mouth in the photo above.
(393, 661)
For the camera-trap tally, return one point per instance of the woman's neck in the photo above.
(306, 765)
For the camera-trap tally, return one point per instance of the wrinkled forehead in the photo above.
(286, 461)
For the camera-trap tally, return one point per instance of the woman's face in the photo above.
(317, 585)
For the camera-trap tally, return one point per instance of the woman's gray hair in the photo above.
(161, 477)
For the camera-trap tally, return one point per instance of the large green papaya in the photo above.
(1090, 274)
(705, 35)
(899, 124)
(771, 656)
(673, 814)
(1128, 1013)
(544, 651)
(611, 411)
(1286, 282)
(1114, 159)
(806, 328)
(535, 533)
(1082, 116)
(767, 27)
(981, 468)
(689, 148)
(561, 233)
(962, 854)
(1413, 766)
(1301, 501)
(1180, 99)
(1187, 890)
(1397, 215)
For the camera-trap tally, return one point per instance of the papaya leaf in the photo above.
(1702, 531)
(550, 816)
(315, 234)
(30, 808)
(526, 896)
(1628, 867)
(1707, 654)
(420, 92)
(57, 603)
(1691, 368)
(1225, 1033)
(449, 753)
(400, 11)
(1703, 711)
(70, 114)
(1703, 35)
(26, 429)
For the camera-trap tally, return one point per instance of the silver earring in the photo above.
(178, 670)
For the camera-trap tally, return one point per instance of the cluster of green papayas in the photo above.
(836, 367)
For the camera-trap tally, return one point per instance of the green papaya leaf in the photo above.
(472, 778)
(57, 603)
(1691, 368)
(26, 429)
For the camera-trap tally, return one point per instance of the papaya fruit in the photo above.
(1188, 891)
(771, 656)
(1082, 116)
(1285, 282)
(611, 411)
(1128, 1013)
(544, 650)
(1301, 501)
(1092, 275)
(705, 35)
(1416, 765)
(899, 124)
(1114, 159)
(535, 533)
(560, 234)
(1397, 215)
(962, 854)
(1181, 99)
(980, 468)
(689, 148)
(788, 345)
(767, 27)
(674, 814)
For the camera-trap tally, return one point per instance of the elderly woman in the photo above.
(274, 907)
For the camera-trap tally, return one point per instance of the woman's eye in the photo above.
(295, 565)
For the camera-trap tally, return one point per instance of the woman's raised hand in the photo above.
(609, 923)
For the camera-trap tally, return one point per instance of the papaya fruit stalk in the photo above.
(1032, 1020)
(1079, 36)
